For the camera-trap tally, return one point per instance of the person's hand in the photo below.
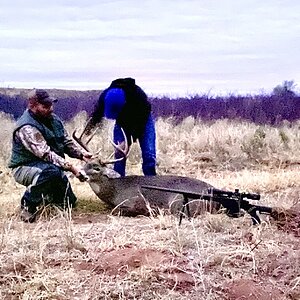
(87, 156)
(74, 170)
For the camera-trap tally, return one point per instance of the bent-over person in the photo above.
(38, 162)
(126, 103)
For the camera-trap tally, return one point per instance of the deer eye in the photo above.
(97, 168)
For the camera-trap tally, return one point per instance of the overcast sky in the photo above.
(171, 47)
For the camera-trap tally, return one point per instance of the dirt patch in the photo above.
(251, 290)
(164, 266)
(283, 267)
(89, 218)
(118, 261)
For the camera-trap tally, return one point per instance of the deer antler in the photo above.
(124, 151)
(118, 147)
(79, 139)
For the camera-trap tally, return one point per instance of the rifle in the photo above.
(233, 202)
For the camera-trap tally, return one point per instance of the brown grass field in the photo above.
(90, 254)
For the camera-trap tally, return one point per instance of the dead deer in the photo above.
(126, 195)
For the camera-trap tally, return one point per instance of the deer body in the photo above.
(127, 196)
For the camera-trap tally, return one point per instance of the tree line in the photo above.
(283, 104)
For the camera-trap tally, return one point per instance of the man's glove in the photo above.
(87, 156)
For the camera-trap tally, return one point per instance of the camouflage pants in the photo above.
(45, 183)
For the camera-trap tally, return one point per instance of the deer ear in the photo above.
(110, 173)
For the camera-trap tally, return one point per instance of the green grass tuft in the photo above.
(91, 206)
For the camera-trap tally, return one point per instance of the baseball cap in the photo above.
(113, 102)
(41, 96)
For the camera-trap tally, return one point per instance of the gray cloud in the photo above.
(169, 46)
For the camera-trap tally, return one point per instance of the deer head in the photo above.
(98, 166)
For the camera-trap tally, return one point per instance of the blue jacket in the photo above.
(134, 113)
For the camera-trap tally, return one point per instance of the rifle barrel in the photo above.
(189, 194)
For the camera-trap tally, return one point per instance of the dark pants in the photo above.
(46, 183)
(147, 145)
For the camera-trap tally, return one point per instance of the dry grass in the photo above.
(90, 254)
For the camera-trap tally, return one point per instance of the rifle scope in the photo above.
(236, 193)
